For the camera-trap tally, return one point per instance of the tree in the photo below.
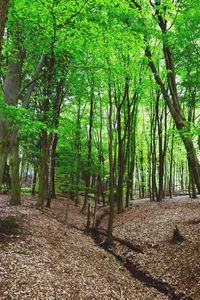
(3, 17)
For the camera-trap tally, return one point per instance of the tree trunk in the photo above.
(121, 166)
(176, 112)
(101, 157)
(162, 143)
(131, 147)
(153, 155)
(78, 152)
(14, 174)
(109, 236)
(3, 158)
(11, 90)
(34, 182)
(3, 17)
(43, 173)
(53, 166)
(87, 175)
(171, 190)
(123, 139)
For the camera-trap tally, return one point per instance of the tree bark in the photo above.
(14, 174)
(34, 182)
(109, 236)
(171, 189)
(162, 143)
(176, 113)
(43, 172)
(88, 171)
(153, 156)
(11, 88)
(53, 166)
(3, 17)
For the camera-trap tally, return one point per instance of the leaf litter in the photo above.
(49, 260)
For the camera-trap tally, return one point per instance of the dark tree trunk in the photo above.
(123, 139)
(34, 181)
(101, 157)
(14, 174)
(171, 189)
(131, 147)
(53, 166)
(109, 235)
(142, 185)
(43, 172)
(87, 174)
(162, 142)
(121, 167)
(153, 156)
(78, 152)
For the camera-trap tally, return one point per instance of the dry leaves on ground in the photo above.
(48, 260)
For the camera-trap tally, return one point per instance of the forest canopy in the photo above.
(99, 100)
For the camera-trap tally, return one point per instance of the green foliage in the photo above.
(100, 44)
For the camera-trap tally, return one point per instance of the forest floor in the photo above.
(48, 260)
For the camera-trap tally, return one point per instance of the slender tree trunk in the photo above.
(171, 190)
(78, 151)
(43, 172)
(192, 188)
(191, 118)
(154, 157)
(14, 174)
(123, 140)
(23, 167)
(162, 142)
(142, 185)
(53, 166)
(151, 161)
(101, 157)
(3, 158)
(87, 175)
(72, 189)
(121, 167)
(131, 148)
(34, 181)
(57, 102)
(6, 177)
(109, 237)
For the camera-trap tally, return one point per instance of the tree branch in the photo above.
(35, 78)
(74, 15)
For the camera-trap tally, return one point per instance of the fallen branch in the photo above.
(135, 248)
(143, 276)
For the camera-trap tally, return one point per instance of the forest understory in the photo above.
(99, 105)
(46, 259)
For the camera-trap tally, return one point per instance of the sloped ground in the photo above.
(48, 260)
(150, 225)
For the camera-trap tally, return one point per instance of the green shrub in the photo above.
(26, 190)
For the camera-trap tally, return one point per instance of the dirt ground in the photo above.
(49, 260)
